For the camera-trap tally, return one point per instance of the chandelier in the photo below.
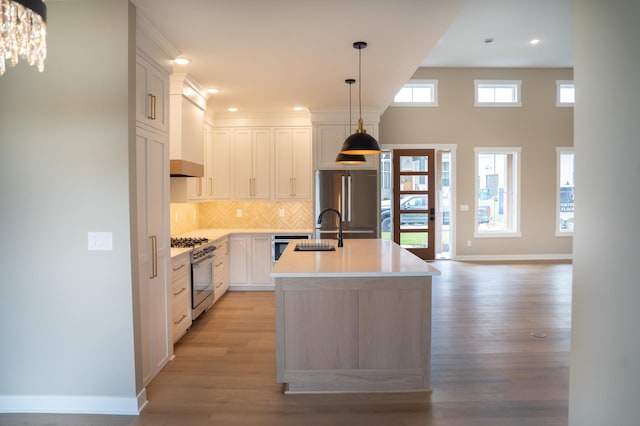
(23, 32)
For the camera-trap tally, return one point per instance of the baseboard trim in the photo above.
(142, 400)
(65, 404)
(513, 257)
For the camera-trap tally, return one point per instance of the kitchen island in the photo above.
(355, 319)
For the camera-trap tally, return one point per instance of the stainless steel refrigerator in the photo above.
(355, 194)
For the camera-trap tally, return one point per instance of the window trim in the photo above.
(517, 84)
(559, 84)
(419, 83)
(559, 152)
(515, 233)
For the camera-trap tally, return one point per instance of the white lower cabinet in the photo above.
(181, 295)
(220, 268)
(250, 262)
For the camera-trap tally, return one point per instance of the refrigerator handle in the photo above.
(350, 199)
(344, 194)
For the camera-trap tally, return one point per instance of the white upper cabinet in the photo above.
(219, 142)
(293, 172)
(152, 95)
(252, 153)
(329, 139)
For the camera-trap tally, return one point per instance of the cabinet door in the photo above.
(301, 171)
(262, 154)
(329, 139)
(252, 161)
(261, 260)
(239, 247)
(292, 163)
(220, 160)
(152, 203)
(283, 165)
(243, 162)
(152, 89)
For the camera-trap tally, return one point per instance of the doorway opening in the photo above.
(416, 201)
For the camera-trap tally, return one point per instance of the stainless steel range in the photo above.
(202, 257)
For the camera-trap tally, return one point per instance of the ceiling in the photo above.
(269, 56)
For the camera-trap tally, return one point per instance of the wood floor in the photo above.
(500, 357)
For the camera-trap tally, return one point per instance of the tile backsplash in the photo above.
(186, 217)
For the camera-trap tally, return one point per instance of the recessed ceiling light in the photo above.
(534, 41)
(213, 90)
(181, 61)
(232, 109)
(298, 108)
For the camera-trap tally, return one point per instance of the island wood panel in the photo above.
(386, 320)
(395, 327)
(321, 331)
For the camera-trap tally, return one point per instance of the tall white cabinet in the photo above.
(252, 163)
(292, 171)
(152, 224)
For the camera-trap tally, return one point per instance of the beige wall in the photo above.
(66, 319)
(538, 127)
(187, 217)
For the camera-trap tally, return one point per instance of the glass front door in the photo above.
(414, 226)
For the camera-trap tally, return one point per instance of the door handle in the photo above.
(154, 256)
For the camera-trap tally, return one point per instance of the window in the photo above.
(564, 200)
(417, 93)
(497, 189)
(497, 93)
(565, 93)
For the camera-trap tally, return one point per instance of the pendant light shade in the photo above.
(350, 158)
(360, 142)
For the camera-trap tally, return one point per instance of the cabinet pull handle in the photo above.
(293, 187)
(150, 106)
(211, 187)
(154, 256)
(180, 320)
(154, 107)
(179, 291)
(199, 187)
(178, 268)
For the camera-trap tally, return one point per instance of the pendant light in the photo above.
(23, 33)
(350, 158)
(360, 142)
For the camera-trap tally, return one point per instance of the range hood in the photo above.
(186, 126)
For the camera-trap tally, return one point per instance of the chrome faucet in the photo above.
(339, 223)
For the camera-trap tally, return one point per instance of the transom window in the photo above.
(417, 93)
(498, 93)
(565, 93)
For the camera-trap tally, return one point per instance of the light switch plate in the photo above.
(100, 241)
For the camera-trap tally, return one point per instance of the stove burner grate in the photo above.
(187, 242)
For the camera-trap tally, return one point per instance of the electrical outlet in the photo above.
(239, 213)
(464, 207)
(468, 243)
(281, 212)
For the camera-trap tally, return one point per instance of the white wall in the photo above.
(66, 316)
(605, 347)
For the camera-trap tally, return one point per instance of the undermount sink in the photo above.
(315, 246)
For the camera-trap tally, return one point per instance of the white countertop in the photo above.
(358, 258)
(216, 233)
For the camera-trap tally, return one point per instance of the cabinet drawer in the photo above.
(180, 269)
